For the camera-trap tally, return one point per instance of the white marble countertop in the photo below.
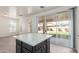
(32, 38)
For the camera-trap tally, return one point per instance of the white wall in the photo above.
(6, 29)
(5, 26)
(21, 26)
(77, 29)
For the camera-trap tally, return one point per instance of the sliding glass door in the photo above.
(60, 26)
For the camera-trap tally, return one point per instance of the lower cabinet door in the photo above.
(18, 49)
(41, 48)
(25, 50)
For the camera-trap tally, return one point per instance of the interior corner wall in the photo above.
(34, 24)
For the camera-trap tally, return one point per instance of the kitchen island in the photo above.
(33, 43)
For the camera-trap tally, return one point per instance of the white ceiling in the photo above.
(33, 9)
(3, 10)
(25, 10)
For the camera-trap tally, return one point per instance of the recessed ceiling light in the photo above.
(42, 7)
(20, 15)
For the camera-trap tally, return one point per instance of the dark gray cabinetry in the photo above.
(43, 47)
(25, 50)
(18, 46)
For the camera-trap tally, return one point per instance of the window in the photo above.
(12, 27)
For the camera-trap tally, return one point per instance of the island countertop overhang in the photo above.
(32, 38)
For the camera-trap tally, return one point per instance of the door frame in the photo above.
(73, 10)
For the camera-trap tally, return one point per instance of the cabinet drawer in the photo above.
(41, 48)
(18, 42)
(18, 49)
(25, 50)
(24, 45)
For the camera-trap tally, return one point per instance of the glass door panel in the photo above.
(41, 24)
(63, 26)
(40, 27)
(51, 27)
(59, 26)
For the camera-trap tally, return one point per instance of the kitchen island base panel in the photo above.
(43, 47)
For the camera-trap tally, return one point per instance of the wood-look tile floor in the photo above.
(8, 45)
(60, 49)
